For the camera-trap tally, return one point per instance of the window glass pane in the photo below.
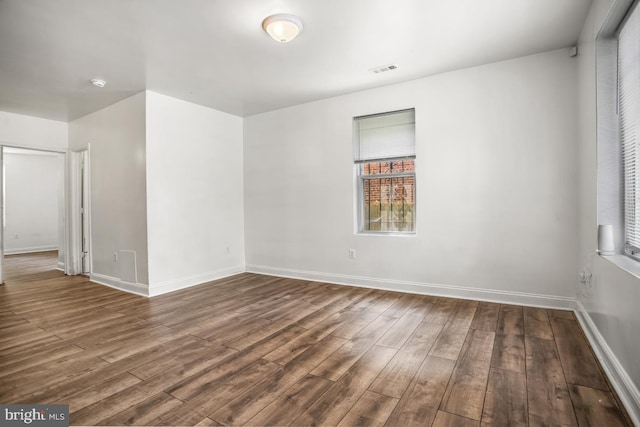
(389, 203)
(386, 167)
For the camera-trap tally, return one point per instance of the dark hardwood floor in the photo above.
(258, 350)
(31, 266)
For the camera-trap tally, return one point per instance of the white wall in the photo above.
(611, 305)
(194, 193)
(31, 202)
(18, 130)
(32, 132)
(116, 135)
(496, 185)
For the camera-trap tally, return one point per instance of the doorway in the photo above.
(33, 228)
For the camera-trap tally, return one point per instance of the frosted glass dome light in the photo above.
(282, 27)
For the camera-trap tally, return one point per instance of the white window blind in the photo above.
(385, 136)
(629, 117)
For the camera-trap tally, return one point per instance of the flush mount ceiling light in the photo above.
(98, 82)
(282, 27)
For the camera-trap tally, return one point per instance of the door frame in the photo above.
(65, 194)
(80, 170)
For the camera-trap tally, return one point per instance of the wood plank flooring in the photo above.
(258, 350)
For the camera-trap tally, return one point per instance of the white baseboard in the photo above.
(620, 380)
(492, 295)
(198, 279)
(60, 266)
(113, 282)
(167, 286)
(30, 250)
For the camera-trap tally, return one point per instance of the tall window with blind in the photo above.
(384, 146)
(629, 120)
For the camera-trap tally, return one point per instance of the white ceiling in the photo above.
(214, 52)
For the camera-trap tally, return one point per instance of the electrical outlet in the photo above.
(115, 257)
(227, 250)
(352, 253)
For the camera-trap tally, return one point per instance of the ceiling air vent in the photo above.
(384, 68)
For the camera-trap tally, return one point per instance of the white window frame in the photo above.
(629, 116)
(361, 178)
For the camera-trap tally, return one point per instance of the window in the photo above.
(629, 123)
(384, 146)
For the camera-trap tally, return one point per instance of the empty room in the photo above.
(278, 212)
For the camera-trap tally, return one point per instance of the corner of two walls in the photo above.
(115, 136)
(195, 207)
(166, 193)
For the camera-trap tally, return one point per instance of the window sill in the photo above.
(624, 262)
(386, 234)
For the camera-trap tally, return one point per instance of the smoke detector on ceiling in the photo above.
(383, 68)
(98, 82)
